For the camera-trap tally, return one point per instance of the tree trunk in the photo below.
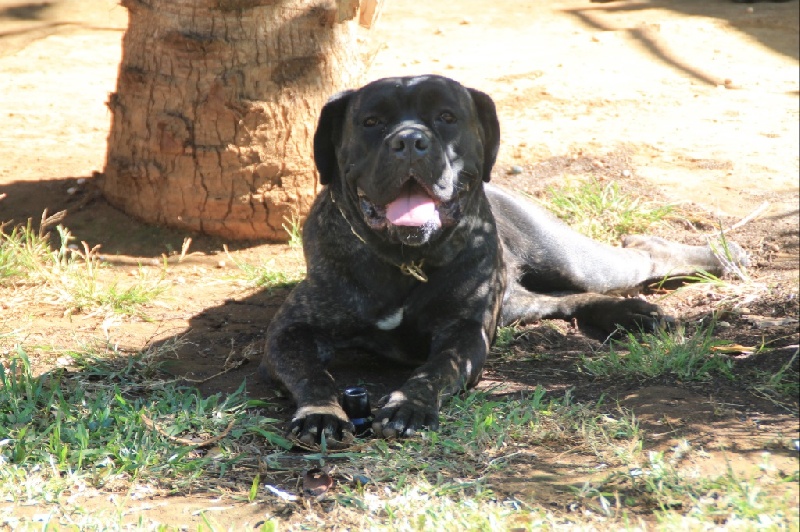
(215, 109)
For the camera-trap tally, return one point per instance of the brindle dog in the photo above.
(411, 255)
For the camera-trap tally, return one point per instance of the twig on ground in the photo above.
(747, 219)
(227, 366)
(218, 374)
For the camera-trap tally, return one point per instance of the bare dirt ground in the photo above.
(692, 103)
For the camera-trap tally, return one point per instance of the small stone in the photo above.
(514, 170)
(72, 191)
(465, 21)
(626, 173)
(221, 264)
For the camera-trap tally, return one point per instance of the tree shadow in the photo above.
(28, 11)
(91, 219)
(32, 20)
(764, 30)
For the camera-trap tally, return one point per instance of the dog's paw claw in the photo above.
(404, 418)
(309, 426)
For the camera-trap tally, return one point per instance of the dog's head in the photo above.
(407, 155)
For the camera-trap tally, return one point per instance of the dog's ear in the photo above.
(487, 114)
(327, 136)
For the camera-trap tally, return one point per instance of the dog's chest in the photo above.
(390, 321)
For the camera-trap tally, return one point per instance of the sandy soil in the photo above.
(694, 103)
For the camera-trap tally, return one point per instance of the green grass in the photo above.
(481, 433)
(603, 211)
(782, 386)
(266, 275)
(683, 498)
(115, 419)
(83, 289)
(686, 356)
(25, 251)
(294, 230)
(73, 279)
(85, 426)
(450, 480)
(506, 336)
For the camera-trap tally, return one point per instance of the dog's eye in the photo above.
(371, 121)
(447, 117)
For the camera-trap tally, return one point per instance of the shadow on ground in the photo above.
(778, 34)
(92, 219)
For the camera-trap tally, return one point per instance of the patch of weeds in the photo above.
(682, 498)
(265, 276)
(24, 251)
(80, 288)
(700, 277)
(133, 373)
(673, 352)
(108, 427)
(506, 336)
(652, 486)
(482, 433)
(294, 230)
(782, 385)
(425, 506)
(483, 423)
(604, 212)
(447, 479)
(71, 277)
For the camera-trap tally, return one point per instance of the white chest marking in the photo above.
(392, 321)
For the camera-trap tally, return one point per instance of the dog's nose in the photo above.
(410, 143)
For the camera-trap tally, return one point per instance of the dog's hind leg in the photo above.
(671, 259)
(545, 255)
(606, 312)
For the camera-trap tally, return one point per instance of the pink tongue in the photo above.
(412, 209)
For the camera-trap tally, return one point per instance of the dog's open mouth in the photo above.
(413, 208)
(413, 216)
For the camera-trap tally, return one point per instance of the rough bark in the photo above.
(215, 110)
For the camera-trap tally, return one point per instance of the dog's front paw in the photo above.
(310, 423)
(632, 314)
(403, 416)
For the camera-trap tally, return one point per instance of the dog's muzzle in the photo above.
(413, 217)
